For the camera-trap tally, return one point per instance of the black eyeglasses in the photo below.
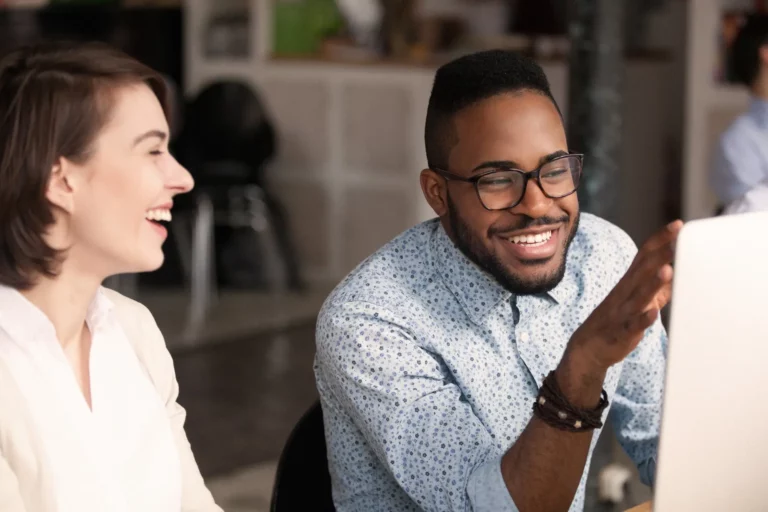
(501, 188)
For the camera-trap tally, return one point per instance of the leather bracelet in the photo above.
(552, 407)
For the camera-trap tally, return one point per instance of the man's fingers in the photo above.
(662, 298)
(651, 289)
(666, 235)
(658, 250)
(635, 326)
(646, 267)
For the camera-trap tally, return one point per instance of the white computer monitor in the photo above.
(713, 453)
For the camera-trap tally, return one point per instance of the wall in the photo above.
(710, 107)
(351, 147)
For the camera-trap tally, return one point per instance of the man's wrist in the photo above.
(580, 378)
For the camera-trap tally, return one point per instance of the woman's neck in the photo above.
(65, 300)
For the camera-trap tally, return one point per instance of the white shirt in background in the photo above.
(125, 453)
(756, 200)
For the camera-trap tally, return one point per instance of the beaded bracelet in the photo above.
(552, 407)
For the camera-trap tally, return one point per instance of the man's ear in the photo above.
(433, 187)
(60, 192)
(763, 54)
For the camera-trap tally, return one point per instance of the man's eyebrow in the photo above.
(552, 156)
(496, 163)
(514, 165)
(151, 133)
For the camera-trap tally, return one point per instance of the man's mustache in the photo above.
(529, 222)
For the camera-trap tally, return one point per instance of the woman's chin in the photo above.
(154, 264)
(148, 263)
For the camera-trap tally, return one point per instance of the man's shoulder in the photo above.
(740, 133)
(397, 271)
(599, 238)
(755, 200)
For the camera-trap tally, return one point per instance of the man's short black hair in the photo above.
(468, 80)
(745, 52)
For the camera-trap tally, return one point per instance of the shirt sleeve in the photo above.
(756, 200)
(195, 496)
(737, 166)
(636, 409)
(412, 416)
(10, 494)
(636, 403)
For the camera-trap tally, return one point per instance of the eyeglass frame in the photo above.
(527, 176)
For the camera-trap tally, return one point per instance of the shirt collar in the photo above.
(99, 310)
(23, 321)
(567, 289)
(758, 108)
(476, 290)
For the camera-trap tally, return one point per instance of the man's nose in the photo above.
(535, 203)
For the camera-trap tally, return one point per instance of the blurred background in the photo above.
(302, 122)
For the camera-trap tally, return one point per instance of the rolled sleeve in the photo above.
(412, 416)
(487, 491)
(638, 401)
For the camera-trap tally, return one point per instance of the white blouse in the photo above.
(127, 458)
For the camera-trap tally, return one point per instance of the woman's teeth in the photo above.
(159, 214)
(537, 239)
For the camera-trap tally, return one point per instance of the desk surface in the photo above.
(643, 507)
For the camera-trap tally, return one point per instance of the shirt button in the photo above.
(524, 337)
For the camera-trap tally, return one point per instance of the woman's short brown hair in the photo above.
(54, 100)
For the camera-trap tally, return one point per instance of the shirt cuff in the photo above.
(487, 491)
(647, 470)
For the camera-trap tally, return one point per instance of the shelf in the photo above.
(727, 95)
(649, 56)
(330, 61)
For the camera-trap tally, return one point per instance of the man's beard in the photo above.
(473, 249)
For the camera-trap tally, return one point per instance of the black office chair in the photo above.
(226, 143)
(302, 481)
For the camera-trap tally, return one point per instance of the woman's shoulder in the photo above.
(125, 305)
(132, 315)
(139, 326)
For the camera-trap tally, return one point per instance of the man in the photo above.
(432, 353)
(741, 159)
(755, 200)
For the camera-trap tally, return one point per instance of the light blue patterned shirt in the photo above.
(428, 369)
(741, 159)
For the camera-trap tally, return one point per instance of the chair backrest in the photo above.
(226, 122)
(303, 481)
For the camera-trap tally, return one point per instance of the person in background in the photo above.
(470, 363)
(755, 200)
(88, 415)
(741, 157)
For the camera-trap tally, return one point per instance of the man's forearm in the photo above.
(543, 468)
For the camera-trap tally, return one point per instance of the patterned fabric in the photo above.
(427, 371)
(741, 160)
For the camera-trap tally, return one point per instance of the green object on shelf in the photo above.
(301, 25)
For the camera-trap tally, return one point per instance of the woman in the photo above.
(88, 412)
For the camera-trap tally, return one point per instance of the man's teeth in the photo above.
(538, 238)
(159, 214)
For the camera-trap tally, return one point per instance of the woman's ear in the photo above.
(60, 192)
(433, 187)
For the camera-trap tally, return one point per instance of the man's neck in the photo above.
(760, 86)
